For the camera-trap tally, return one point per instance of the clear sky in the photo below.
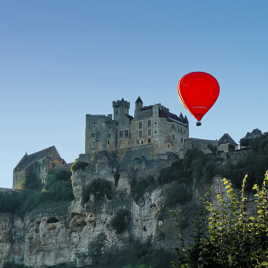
(62, 59)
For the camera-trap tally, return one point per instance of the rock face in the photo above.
(85, 232)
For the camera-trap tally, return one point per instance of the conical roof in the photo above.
(226, 138)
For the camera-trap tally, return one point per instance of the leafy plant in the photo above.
(100, 188)
(236, 235)
(121, 220)
(177, 193)
(77, 165)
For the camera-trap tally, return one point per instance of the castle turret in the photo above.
(138, 105)
(121, 107)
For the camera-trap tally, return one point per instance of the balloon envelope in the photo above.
(198, 91)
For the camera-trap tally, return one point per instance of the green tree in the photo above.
(236, 235)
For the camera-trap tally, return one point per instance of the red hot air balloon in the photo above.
(198, 91)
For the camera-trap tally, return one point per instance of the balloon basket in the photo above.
(198, 124)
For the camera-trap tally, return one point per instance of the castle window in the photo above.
(108, 142)
(141, 141)
(149, 132)
(155, 132)
(140, 133)
(149, 140)
(173, 137)
(126, 133)
(149, 123)
(121, 133)
(155, 122)
(168, 145)
(140, 124)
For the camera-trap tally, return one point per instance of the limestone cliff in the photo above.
(83, 234)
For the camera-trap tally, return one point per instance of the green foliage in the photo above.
(100, 188)
(32, 182)
(12, 265)
(57, 191)
(254, 164)
(121, 220)
(79, 165)
(236, 235)
(177, 193)
(138, 254)
(58, 185)
(138, 266)
(195, 164)
(96, 247)
(139, 186)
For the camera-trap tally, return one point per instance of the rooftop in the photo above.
(28, 159)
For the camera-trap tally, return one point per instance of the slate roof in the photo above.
(144, 108)
(138, 100)
(28, 159)
(163, 113)
(226, 138)
(254, 134)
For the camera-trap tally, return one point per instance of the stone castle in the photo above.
(153, 124)
(152, 134)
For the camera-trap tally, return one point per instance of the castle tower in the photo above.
(121, 108)
(138, 105)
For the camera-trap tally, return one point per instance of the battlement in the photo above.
(121, 102)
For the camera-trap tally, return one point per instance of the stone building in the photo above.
(36, 166)
(151, 125)
(227, 144)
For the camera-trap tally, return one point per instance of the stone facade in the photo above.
(153, 124)
(36, 166)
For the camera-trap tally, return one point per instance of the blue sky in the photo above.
(62, 59)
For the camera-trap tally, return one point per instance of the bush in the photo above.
(100, 188)
(236, 236)
(139, 186)
(96, 247)
(58, 190)
(177, 193)
(58, 185)
(79, 165)
(121, 220)
(13, 265)
(254, 163)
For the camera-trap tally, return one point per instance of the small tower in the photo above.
(138, 105)
(121, 107)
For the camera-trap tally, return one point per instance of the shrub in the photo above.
(13, 265)
(254, 163)
(58, 185)
(96, 247)
(32, 182)
(58, 190)
(139, 186)
(121, 220)
(236, 236)
(79, 165)
(100, 188)
(177, 193)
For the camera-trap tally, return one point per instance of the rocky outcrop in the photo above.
(84, 233)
